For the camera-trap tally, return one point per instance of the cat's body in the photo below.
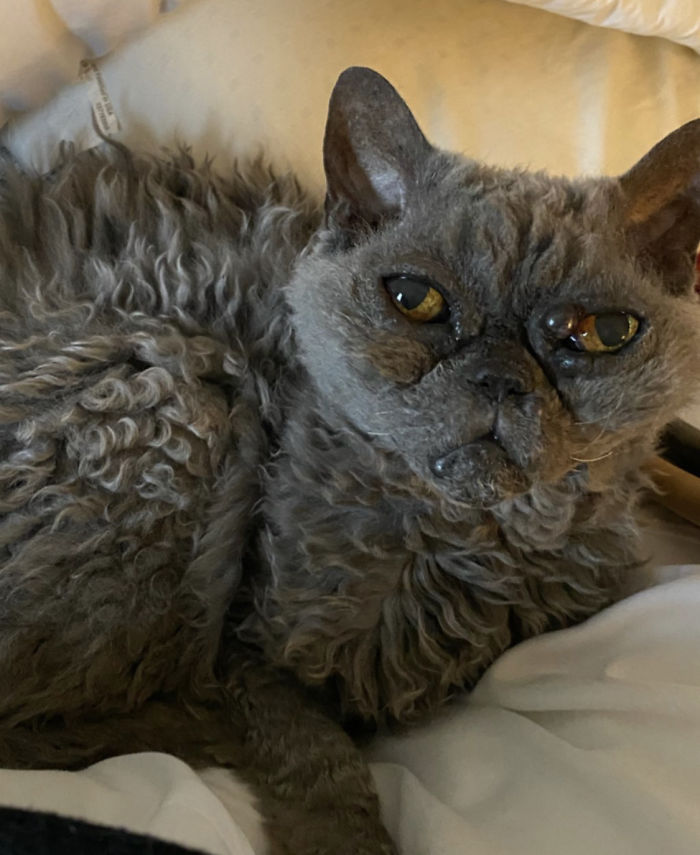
(225, 452)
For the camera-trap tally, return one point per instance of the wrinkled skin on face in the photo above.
(495, 399)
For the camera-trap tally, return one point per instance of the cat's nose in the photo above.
(500, 378)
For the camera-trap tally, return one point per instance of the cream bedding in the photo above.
(678, 20)
(43, 41)
(502, 82)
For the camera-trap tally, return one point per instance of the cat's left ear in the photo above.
(372, 151)
(661, 206)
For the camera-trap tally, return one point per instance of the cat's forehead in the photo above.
(511, 237)
(498, 211)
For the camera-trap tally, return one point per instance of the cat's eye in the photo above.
(417, 299)
(605, 332)
(592, 332)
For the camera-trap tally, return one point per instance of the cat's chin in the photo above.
(479, 474)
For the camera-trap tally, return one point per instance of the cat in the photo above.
(270, 469)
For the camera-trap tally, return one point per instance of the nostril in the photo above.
(500, 385)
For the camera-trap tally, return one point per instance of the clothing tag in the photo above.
(102, 108)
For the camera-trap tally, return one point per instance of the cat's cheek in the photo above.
(399, 359)
(550, 454)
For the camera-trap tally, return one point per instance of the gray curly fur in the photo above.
(217, 443)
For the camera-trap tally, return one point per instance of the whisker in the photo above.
(591, 459)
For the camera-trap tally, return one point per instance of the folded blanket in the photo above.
(103, 24)
(581, 741)
(150, 795)
(677, 20)
(42, 42)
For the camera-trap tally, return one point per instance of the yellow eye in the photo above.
(606, 332)
(418, 300)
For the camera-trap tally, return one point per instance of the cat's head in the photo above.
(497, 329)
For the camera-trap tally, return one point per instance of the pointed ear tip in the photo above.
(358, 71)
(688, 133)
(359, 77)
(677, 155)
(693, 125)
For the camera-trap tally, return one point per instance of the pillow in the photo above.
(677, 20)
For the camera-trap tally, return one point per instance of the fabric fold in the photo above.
(676, 20)
(42, 43)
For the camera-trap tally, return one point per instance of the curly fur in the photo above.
(214, 462)
(139, 361)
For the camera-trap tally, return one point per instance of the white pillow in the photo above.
(678, 20)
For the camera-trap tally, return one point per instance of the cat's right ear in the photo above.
(661, 207)
(372, 151)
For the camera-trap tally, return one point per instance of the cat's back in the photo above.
(109, 232)
(143, 336)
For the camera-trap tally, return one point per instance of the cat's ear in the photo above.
(372, 151)
(661, 206)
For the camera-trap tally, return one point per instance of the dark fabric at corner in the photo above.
(25, 832)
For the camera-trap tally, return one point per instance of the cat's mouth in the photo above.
(480, 471)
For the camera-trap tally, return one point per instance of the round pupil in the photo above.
(407, 292)
(612, 329)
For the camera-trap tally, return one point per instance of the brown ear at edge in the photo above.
(661, 206)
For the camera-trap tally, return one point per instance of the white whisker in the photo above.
(591, 459)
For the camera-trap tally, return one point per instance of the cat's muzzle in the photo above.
(479, 471)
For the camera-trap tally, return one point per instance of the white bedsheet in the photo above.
(148, 793)
(577, 742)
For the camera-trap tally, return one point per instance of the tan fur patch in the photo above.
(398, 358)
